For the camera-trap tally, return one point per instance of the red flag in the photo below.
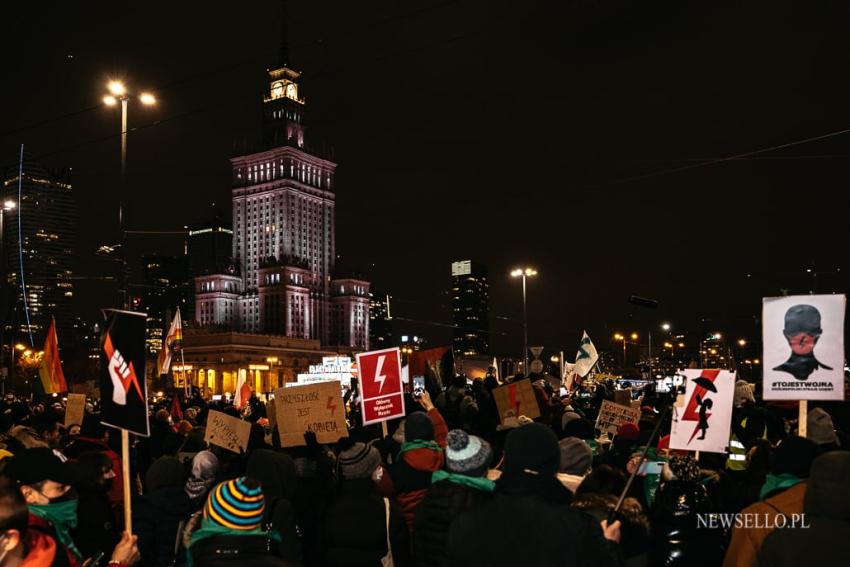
(50, 369)
(176, 412)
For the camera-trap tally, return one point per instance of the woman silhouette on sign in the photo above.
(704, 406)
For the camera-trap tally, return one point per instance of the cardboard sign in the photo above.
(705, 421)
(803, 339)
(315, 407)
(514, 400)
(381, 396)
(612, 416)
(227, 431)
(124, 403)
(75, 409)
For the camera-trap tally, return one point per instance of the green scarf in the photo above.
(63, 518)
(775, 482)
(209, 529)
(478, 483)
(417, 444)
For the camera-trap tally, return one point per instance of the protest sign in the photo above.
(803, 339)
(514, 400)
(381, 395)
(704, 422)
(623, 397)
(75, 409)
(612, 416)
(315, 407)
(124, 404)
(226, 431)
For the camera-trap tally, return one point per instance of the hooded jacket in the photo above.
(827, 509)
(409, 478)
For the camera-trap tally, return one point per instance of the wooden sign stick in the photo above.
(125, 462)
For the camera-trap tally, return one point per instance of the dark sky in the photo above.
(503, 131)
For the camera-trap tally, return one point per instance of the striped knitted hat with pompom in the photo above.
(237, 504)
(467, 454)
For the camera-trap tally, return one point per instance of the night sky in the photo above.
(513, 133)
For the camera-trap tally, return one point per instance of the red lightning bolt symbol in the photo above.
(691, 412)
(331, 406)
(131, 378)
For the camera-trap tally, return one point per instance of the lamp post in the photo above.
(621, 337)
(118, 93)
(8, 205)
(524, 273)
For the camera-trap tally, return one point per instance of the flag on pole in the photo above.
(50, 369)
(243, 392)
(496, 366)
(172, 343)
(586, 357)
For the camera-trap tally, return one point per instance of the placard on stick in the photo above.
(227, 431)
(514, 400)
(612, 416)
(75, 409)
(315, 407)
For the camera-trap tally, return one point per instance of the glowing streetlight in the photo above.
(666, 326)
(524, 273)
(742, 342)
(634, 336)
(118, 93)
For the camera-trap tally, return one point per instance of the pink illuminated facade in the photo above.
(283, 239)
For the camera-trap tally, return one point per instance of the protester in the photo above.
(825, 540)
(421, 454)
(528, 521)
(276, 474)
(230, 531)
(159, 512)
(576, 459)
(821, 431)
(202, 477)
(781, 495)
(359, 523)
(96, 530)
(462, 486)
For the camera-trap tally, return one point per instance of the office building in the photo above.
(470, 310)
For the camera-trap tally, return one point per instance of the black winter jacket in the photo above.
(528, 522)
(354, 528)
(156, 518)
(236, 551)
(444, 501)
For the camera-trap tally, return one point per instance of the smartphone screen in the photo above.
(650, 467)
(418, 384)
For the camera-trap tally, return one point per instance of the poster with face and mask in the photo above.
(803, 347)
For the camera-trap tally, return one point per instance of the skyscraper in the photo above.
(39, 228)
(470, 309)
(165, 287)
(283, 237)
(380, 322)
(210, 246)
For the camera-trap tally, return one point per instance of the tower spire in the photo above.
(284, 43)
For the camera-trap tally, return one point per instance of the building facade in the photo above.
(283, 239)
(214, 361)
(470, 308)
(39, 221)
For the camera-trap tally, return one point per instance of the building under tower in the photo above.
(284, 249)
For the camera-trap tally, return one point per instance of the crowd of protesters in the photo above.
(450, 485)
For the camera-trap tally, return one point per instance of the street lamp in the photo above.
(621, 337)
(118, 93)
(8, 205)
(524, 273)
(666, 326)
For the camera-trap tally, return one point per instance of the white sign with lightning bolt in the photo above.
(379, 374)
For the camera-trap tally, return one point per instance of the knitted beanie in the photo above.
(628, 432)
(820, 428)
(418, 426)
(794, 456)
(744, 393)
(359, 461)
(532, 447)
(576, 456)
(684, 467)
(237, 504)
(467, 454)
